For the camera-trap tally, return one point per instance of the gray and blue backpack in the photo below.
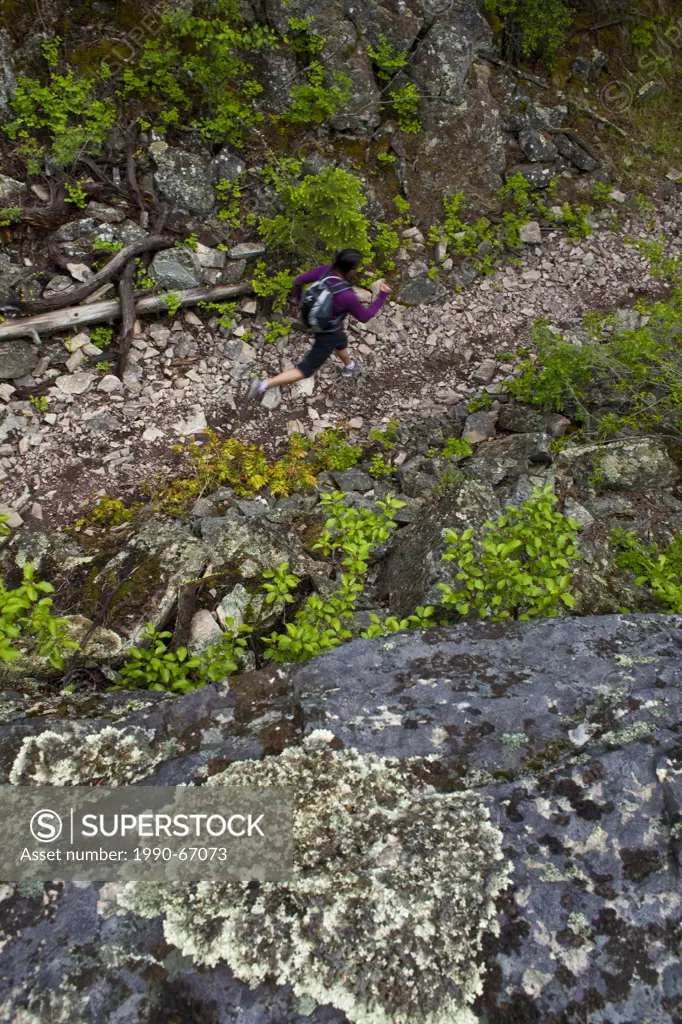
(317, 304)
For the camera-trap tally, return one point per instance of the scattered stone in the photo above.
(204, 631)
(272, 399)
(573, 510)
(578, 156)
(17, 359)
(303, 388)
(519, 419)
(227, 165)
(352, 479)
(214, 258)
(79, 272)
(536, 146)
(105, 214)
(556, 425)
(109, 384)
(249, 307)
(75, 360)
(485, 371)
(36, 510)
(176, 269)
(422, 289)
(246, 250)
(6, 392)
(531, 233)
(479, 426)
(194, 424)
(618, 196)
(57, 286)
(356, 423)
(12, 192)
(14, 520)
(535, 175)
(75, 383)
(152, 434)
(647, 92)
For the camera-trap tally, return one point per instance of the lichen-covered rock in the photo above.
(17, 359)
(360, 925)
(176, 268)
(508, 458)
(622, 466)
(183, 178)
(114, 756)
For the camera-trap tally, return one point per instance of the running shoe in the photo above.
(256, 390)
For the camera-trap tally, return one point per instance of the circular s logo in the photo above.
(46, 826)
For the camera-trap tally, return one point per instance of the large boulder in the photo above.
(176, 268)
(508, 458)
(183, 178)
(562, 737)
(442, 62)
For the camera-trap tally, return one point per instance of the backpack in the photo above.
(317, 305)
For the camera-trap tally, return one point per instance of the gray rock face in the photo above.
(414, 568)
(183, 178)
(479, 426)
(567, 729)
(227, 165)
(623, 466)
(8, 82)
(11, 191)
(520, 419)
(176, 268)
(9, 274)
(537, 147)
(444, 59)
(508, 458)
(576, 154)
(17, 358)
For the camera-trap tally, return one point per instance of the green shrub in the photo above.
(156, 667)
(273, 285)
(334, 450)
(420, 620)
(661, 571)
(455, 448)
(305, 40)
(26, 619)
(386, 437)
(10, 215)
(316, 101)
(517, 567)
(538, 26)
(229, 200)
(406, 105)
(172, 303)
(321, 213)
(379, 468)
(349, 536)
(639, 371)
(76, 195)
(387, 60)
(63, 118)
(101, 336)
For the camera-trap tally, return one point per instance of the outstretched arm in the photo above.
(350, 303)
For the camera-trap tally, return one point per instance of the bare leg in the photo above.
(344, 355)
(288, 377)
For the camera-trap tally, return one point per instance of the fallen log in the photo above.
(99, 312)
(127, 297)
(152, 242)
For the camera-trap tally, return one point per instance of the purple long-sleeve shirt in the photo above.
(345, 302)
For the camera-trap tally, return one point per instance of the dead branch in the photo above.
(104, 276)
(100, 312)
(127, 316)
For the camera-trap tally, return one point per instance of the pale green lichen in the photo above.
(515, 740)
(76, 758)
(393, 890)
(629, 734)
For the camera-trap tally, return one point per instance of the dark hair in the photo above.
(347, 260)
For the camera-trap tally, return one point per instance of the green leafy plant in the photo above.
(386, 437)
(387, 60)
(379, 467)
(172, 303)
(76, 195)
(479, 403)
(188, 243)
(386, 158)
(276, 329)
(281, 585)
(576, 219)
(102, 245)
(273, 285)
(156, 667)
(223, 311)
(406, 105)
(334, 450)
(229, 201)
(660, 570)
(27, 622)
(320, 214)
(454, 448)
(106, 514)
(421, 619)
(143, 281)
(350, 534)
(518, 567)
(39, 402)
(101, 336)
(535, 26)
(600, 192)
(316, 101)
(305, 40)
(10, 215)
(62, 118)
(103, 365)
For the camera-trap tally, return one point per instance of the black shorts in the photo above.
(323, 346)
